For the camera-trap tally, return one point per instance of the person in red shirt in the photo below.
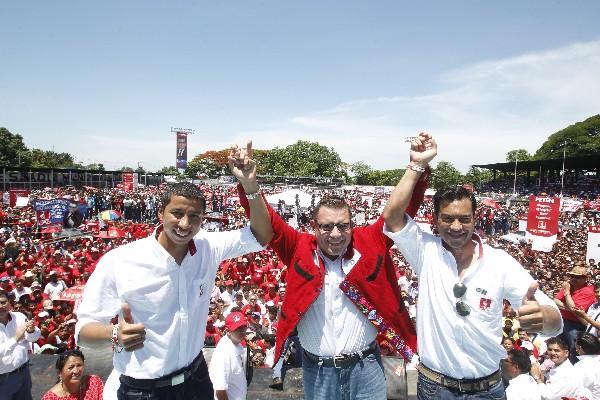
(576, 293)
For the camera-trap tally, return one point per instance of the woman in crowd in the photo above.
(72, 383)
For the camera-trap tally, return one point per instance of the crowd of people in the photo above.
(43, 272)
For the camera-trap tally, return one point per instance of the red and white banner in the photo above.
(130, 181)
(592, 205)
(522, 224)
(542, 222)
(424, 223)
(14, 194)
(593, 243)
(570, 205)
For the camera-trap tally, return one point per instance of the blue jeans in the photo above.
(363, 380)
(16, 386)
(197, 387)
(428, 389)
(569, 334)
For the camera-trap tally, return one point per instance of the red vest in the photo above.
(371, 284)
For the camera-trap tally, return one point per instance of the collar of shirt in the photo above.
(191, 246)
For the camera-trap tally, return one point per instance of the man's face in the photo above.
(523, 335)
(597, 293)
(509, 368)
(556, 354)
(238, 335)
(456, 223)
(577, 281)
(335, 242)
(181, 219)
(5, 307)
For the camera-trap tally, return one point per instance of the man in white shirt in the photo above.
(161, 287)
(226, 365)
(20, 290)
(54, 286)
(588, 367)
(462, 284)
(521, 385)
(562, 380)
(16, 335)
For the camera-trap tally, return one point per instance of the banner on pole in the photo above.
(181, 158)
(593, 243)
(542, 222)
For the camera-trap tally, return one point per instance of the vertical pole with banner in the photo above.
(181, 146)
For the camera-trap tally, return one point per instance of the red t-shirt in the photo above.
(583, 298)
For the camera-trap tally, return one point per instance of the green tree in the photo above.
(519, 155)
(579, 139)
(478, 176)
(13, 151)
(445, 174)
(388, 177)
(126, 169)
(303, 159)
(170, 170)
(51, 159)
(200, 166)
(361, 173)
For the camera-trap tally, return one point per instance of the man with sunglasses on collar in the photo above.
(341, 293)
(462, 283)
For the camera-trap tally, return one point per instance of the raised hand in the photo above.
(530, 314)
(131, 335)
(241, 163)
(423, 149)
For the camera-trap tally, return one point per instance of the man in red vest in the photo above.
(341, 293)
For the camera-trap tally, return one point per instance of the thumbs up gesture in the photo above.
(530, 314)
(131, 335)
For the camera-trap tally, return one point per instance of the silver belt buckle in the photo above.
(178, 379)
(338, 357)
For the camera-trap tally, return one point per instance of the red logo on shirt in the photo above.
(484, 303)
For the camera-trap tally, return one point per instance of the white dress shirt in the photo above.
(14, 354)
(561, 381)
(171, 300)
(332, 324)
(588, 369)
(523, 387)
(462, 347)
(226, 369)
(594, 314)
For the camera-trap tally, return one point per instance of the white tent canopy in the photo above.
(289, 197)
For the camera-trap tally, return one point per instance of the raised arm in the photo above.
(243, 167)
(422, 150)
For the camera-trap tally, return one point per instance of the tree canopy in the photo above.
(518, 155)
(579, 139)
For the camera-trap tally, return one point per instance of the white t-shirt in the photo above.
(594, 313)
(461, 347)
(226, 369)
(523, 387)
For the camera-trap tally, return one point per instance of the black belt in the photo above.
(342, 360)
(21, 368)
(173, 379)
(462, 385)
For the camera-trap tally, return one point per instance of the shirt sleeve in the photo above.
(219, 371)
(100, 301)
(230, 244)
(410, 242)
(32, 337)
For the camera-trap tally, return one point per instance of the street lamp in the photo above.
(562, 177)
(515, 179)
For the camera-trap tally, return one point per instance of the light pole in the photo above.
(515, 179)
(562, 177)
(139, 167)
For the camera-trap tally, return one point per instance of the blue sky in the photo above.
(105, 81)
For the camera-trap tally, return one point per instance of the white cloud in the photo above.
(480, 113)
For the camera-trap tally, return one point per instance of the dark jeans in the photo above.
(16, 386)
(197, 387)
(428, 389)
(569, 335)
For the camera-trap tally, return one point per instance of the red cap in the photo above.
(235, 320)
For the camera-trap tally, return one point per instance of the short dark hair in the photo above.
(557, 341)
(521, 359)
(597, 285)
(184, 189)
(588, 343)
(63, 357)
(335, 202)
(450, 194)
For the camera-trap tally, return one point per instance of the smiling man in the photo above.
(161, 287)
(462, 284)
(339, 295)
